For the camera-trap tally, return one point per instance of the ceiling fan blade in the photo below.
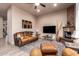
(42, 5)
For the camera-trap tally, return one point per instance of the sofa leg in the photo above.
(19, 43)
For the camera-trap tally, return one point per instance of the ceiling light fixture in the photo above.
(55, 4)
(37, 4)
(38, 10)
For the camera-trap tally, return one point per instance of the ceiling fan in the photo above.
(39, 4)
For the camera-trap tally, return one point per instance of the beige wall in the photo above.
(9, 25)
(1, 27)
(17, 16)
(77, 17)
(51, 19)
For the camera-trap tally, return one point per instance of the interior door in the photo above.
(1, 27)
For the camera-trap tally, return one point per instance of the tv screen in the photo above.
(49, 29)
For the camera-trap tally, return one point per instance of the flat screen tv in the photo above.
(49, 29)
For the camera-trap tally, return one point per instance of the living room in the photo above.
(54, 18)
(30, 25)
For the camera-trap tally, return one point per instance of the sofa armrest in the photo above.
(18, 42)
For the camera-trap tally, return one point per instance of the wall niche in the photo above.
(26, 24)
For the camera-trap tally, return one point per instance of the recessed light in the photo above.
(37, 4)
(38, 10)
(55, 4)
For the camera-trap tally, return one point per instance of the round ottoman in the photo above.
(69, 52)
(36, 52)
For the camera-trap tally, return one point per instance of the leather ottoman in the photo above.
(36, 52)
(48, 48)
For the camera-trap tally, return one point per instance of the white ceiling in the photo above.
(30, 7)
(48, 9)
